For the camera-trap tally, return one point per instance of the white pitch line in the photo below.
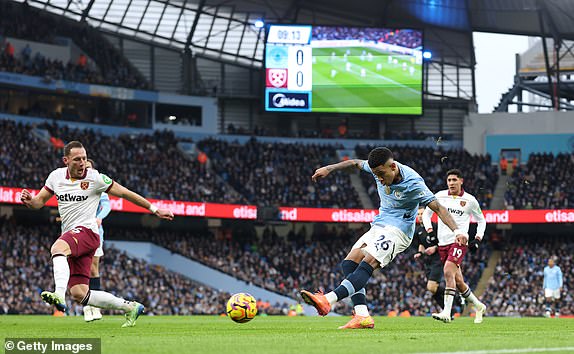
(504, 351)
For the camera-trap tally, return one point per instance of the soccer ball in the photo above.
(241, 307)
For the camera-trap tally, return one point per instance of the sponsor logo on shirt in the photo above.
(71, 198)
(106, 179)
(456, 211)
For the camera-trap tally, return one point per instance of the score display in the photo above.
(343, 69)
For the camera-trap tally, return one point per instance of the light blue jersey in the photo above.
(400, 201)
(104, 209)
(552, 277)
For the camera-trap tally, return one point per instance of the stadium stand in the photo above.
(25, 22)
(280, 174)
(516, 287)
(543, 183)
(403, 38)
(340, 132)
(125, 158)
(480, 176)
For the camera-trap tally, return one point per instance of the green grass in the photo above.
(211, 334)
(390, 90)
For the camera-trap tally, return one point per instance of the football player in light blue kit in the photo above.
(92, 313)
(401, 191)
(552, 287)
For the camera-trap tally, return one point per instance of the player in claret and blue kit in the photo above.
(460, 205)
(78, 190)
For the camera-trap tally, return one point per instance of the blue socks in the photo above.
(354, 281)
(359, 298)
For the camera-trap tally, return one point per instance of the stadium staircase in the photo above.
(487, 274)
(360, 188)
(497, 202)
(191, 151)
(199, 272)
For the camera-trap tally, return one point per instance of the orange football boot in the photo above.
(317, 300)
(359, 322)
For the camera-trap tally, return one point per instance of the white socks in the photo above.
(106, 300)
(361, 310)
(61, 274)
(469, 295)
(449, 294)
(331, 297)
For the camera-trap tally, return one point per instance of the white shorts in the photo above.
(383, 243)
(100, 250)
(553, 293)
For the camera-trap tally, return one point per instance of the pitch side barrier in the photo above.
(9, 195)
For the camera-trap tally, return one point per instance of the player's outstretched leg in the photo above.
(317, 300)
(356, 280)
(548, 312)
(106, 300)
(61, 277)
(55, 299)
(479, 307)
(359, 322)
(88, 315)
(133, 314)
(445, 315)
(92, 313)
(361, 318)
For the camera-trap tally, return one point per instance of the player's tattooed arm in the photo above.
(324, 171)
(444, 215)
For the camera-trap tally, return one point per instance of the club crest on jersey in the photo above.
(84, 185)
(462, 203)
(398, 194)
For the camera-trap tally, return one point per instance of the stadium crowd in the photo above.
(287, 264)
(480, 176)
(516, 287)
(404, 38)
(25, 22)
(270, 173)
(27, 270)
(341, 132)
(125, 158)
(543, 183)
(38, 65)
(280, 174)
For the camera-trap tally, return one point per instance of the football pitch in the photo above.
(365, 80)
(212, 334)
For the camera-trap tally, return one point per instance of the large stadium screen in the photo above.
(343, 70)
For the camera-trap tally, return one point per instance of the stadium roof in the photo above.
(225, 28)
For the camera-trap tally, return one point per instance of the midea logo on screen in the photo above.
(280, 100)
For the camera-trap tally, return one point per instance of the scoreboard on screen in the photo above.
(288, 69)
(347, 70)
